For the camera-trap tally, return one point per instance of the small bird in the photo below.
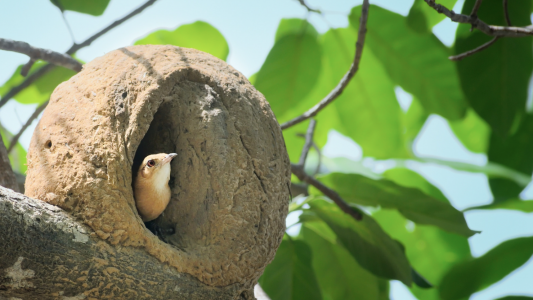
(150, 187)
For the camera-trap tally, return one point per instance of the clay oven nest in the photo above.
(229, 182)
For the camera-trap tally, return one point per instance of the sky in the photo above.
(249, 27)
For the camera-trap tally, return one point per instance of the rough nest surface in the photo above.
(229, 182)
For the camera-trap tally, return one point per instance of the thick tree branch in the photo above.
(478, 49)
(7, 176)
(298, 170)
(46, 252)
(347, 77)
(35, 53)
(34, 116)
(75, 47)
(492, 30)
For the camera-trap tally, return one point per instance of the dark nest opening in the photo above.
(161, 137)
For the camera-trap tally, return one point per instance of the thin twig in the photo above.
(88, 41)
(317, 149)
(478, 49)
(308, 142)
(506, 13)
(473, 14)
(319, 164)
(75, 47)
(68, 27)
(27, 82)
(34, 116)
(26, 68)
(300, 173)
(491, 30)
(298, 170)
(35, 53)
(309, 9)
(345, 79)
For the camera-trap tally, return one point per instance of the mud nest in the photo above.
(230, 181)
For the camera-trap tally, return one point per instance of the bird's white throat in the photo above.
(161, 178)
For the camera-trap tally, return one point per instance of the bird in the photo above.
(150, 186)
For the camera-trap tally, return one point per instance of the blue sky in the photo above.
(249, 27)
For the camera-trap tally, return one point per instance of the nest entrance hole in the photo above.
(160, 138)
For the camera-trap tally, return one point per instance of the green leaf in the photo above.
(252, 78)
(413, 121)
(17, 157)
(198, 35)
(430, 251)
(384, 289)
(339, 275)
(293, 142)
(290, 275)
(417, 62)
(371, 247)
(346, 165)
(492, 170)
(511, 203)
(466, 278)
(410, 202)
(41, 89)
(356, 107)
(472, 131)
(420, 281)
(375, 125)
(514, 151)
(409, 178)
(295, 27)
(290, 71)
(91, 7)
(495, 80)
(422, 17)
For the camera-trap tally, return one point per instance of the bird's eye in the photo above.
(150, 163)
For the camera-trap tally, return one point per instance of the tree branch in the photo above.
(35, 53)
(34, 116)
(478, 49)
(7, 176)
(46, 252)
(492, 30)
(75, 47)
(345, 79)
(298, 170)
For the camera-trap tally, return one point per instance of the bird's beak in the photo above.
(169, 157)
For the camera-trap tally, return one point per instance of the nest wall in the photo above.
(230, 181)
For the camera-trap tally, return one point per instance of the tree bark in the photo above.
(7, 177)
(47, 254)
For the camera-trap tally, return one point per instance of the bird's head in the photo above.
(156, 167)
